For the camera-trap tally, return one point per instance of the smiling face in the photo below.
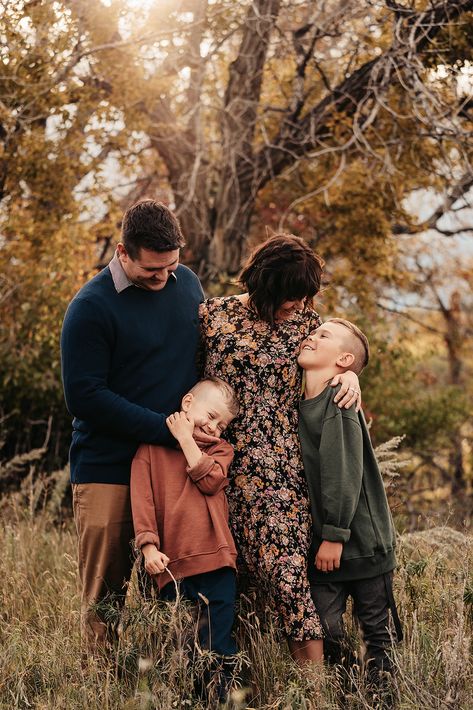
(208, 408)
(288, 308)
(325, 348)
(151, 269)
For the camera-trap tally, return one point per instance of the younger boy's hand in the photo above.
(180, 425)
(328, 556)
(155, 560)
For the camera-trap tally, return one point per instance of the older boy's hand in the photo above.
(155, 560)
(328, 556)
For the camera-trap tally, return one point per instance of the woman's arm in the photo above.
(349, 392)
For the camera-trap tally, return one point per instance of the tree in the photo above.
(242, 95)
(58, 123)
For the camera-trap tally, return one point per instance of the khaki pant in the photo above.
(102, 514)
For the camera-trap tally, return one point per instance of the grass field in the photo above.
(41, 665)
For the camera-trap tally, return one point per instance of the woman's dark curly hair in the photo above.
(283, 268)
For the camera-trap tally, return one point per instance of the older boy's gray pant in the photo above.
(372, 601)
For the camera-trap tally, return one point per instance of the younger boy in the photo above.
(180, 513)
(352, 552)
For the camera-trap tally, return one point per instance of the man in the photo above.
(128, 348)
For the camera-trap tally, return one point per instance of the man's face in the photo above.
(323, 347)
(151, 269)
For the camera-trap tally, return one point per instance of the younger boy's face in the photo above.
(323, 347)
(208, 409)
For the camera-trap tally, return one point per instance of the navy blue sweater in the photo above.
(127, 360)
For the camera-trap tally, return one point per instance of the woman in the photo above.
(252, 341)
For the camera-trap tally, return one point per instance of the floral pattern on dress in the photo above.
(267, 495)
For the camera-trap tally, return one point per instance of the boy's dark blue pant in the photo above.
(215, 624)
(216, 619)
(372, 601)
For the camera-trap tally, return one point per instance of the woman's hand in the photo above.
(349, 392)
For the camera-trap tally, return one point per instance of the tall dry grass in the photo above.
(41, 665)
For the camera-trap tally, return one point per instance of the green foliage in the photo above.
(58, 124)
(399, 399)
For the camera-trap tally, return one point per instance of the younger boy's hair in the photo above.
(226, 391)
(358, 343)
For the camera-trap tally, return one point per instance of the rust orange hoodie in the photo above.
(182, 510)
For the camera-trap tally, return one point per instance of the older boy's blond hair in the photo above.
(357, 342)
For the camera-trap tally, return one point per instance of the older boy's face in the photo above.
(209, 411)
(323, 347)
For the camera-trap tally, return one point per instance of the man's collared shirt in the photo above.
(120, 279)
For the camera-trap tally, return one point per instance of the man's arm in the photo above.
(86, 352)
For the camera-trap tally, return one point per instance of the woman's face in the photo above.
(288, 308)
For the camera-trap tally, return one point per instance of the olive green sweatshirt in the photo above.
(347, 496)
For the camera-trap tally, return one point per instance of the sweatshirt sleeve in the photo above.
(210, 473)
(86, 354)
(341, 473)
(142, 500)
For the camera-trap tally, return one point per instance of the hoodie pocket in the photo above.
(363, 540)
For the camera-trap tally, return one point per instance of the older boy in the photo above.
(180, 513)
(353, 545)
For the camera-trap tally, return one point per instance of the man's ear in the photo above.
(186, 401)
(345, 360)
(122, 252)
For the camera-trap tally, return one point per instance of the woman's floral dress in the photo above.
(268, 499)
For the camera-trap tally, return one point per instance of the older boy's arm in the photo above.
(210, 473)
(341, 474)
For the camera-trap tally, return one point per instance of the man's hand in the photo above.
(155, 560)
(181, 426)
(328, 556)
(349, 393)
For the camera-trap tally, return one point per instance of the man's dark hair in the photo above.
(150, 225)
(283, 268)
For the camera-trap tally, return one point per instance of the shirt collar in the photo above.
(119, 277)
